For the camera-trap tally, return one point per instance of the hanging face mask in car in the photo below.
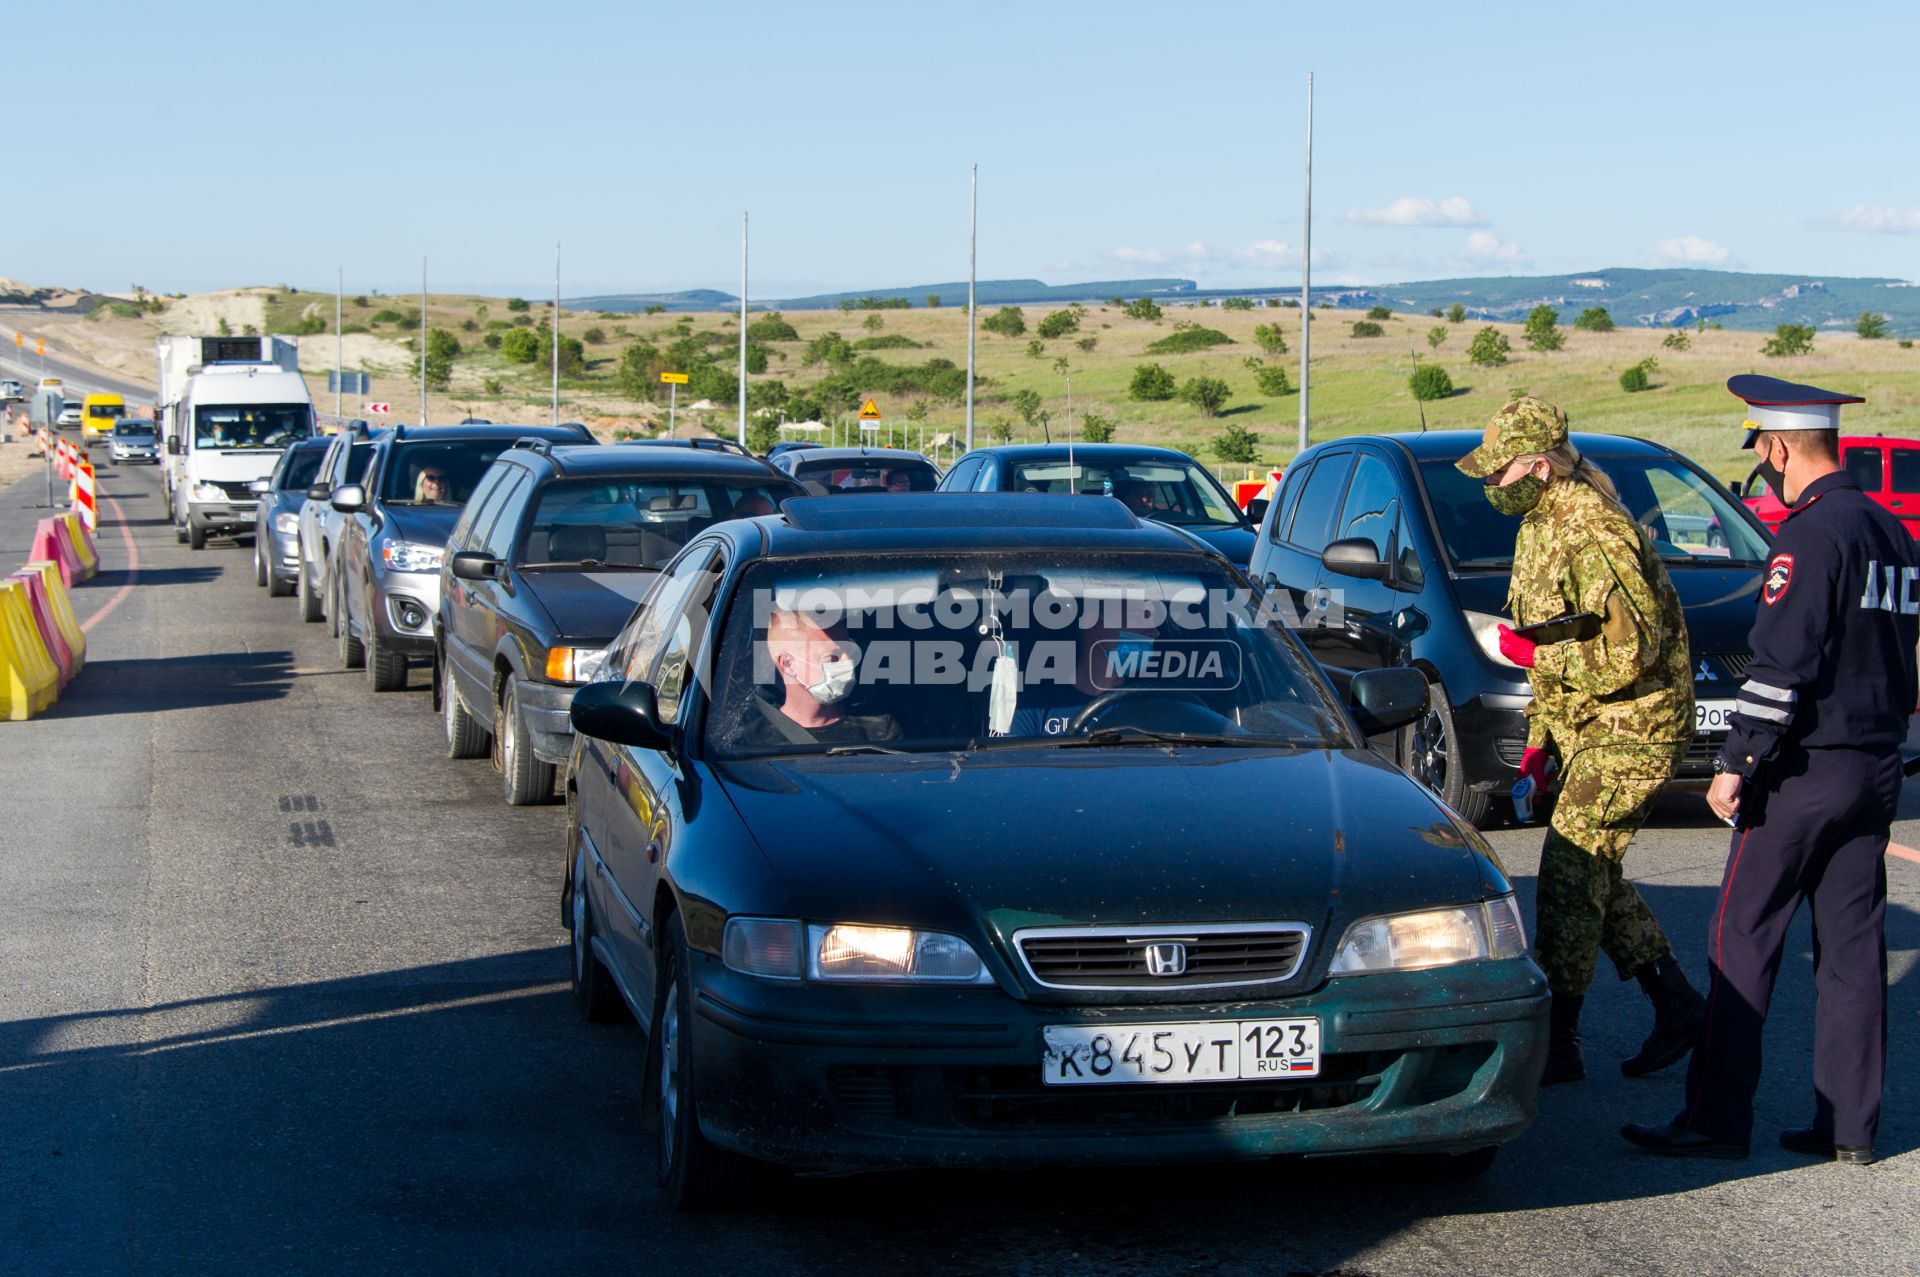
(1518, 497)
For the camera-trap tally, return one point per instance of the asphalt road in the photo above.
(282, 988)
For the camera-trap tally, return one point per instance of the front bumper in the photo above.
(119, 453)
(545, 707)
(404, 604)
(284, 564)
(224, 518)
(828, 1078)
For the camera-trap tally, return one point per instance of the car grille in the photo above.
(241, 491)
(1734, 663)
(1194, 957)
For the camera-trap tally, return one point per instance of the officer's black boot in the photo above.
(1678, 1014)
(1564, 1061)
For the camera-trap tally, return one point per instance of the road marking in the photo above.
(133, 568)
(1905, 853)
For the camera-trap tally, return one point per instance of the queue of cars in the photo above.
(907, 831)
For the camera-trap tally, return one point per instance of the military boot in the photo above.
(1678, 1015)
(1564, 1061)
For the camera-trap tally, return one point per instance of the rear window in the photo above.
(1867, 467)
(302, 465)
(876, 475)
(633, 523)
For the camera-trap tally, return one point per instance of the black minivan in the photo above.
(1420, 578)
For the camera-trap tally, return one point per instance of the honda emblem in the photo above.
(1166, 959)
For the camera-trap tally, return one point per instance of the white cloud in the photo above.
(1484, 248)
(1874, 218)
(1199, 251)
(1412, 210)
(1692, 250)
(1270, 254)
(1138, 256)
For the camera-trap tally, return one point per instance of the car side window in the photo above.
(1372, 509)
(961, 477)
(670, 669)
(354, 468)
(1906, 470)
(989, 478)
(1313, 517)
(462, 537)
(1289, 498)
(634, 652)
(1866, 467)
(497, 535)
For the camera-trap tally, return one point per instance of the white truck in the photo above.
(228, 407)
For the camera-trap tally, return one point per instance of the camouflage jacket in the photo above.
(1631, 685)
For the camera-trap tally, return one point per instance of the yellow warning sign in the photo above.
(870, 411)
(675, 378)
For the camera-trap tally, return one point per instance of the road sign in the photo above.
(40, 346)
(352, 383)
(870, 411)
(19, 340)
(376, 409)
(673, 378)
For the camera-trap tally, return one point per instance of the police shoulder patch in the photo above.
(1779, 577)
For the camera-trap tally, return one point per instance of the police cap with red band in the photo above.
(1773, 404)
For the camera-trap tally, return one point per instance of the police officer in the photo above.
(1619, 709)
(1809, 777)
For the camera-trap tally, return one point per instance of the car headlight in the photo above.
(848, 952)
(1432, 938)
(1486, 632)
(209, 492)
(405, 556)
(575, 664)
(286, 523)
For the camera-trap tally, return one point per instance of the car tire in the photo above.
(695, 1174)
(278, 587)
(466, 738)
(310, 609)
(386, 668)
(524, 779)
(1430, 753)
(594, 994)
(261, 574)
(196, 535)
(352, 654)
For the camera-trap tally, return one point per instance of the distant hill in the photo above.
(634, 303)
(1004, 292)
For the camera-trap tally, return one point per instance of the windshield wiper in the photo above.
(587, 565)
(1146, 736)
(866, 747)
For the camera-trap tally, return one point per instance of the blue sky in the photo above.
(269, 143)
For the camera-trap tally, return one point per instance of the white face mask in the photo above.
(836, 680)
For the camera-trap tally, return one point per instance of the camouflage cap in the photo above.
(1525, 426)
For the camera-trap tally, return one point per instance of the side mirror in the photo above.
(1382, 700)
(620, 713)
(1257, 510)
(1355, 557)
(474, 565)
(349, 498)
(260, 487)
(173, 445)
(318, 492)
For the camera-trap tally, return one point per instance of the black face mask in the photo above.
(1775, 477)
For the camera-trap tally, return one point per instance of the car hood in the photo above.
(237, 465)
(1717, 602)
(287, 500)
(1235, 543)
(587, 606)
(422, 525)
(995, 841)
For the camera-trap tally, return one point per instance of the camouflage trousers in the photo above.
(1585, 903)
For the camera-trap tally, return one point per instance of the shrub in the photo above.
(361, 301)
(1430, 381)
(772, 326)
(1635, 379)
(933, 301)
(1001, 431)
(491, 341)
(1367, 328)
(1870, 326)
(1095, 428)
(1906, 343)
(1594, 319)
(492, 386)
(1208, 394)
(1456, 314)
(348, 330)
(1788, 339)
(386, 315)
(1151, 383)
(516, 303)
(1236, 303)
(1086, 344)
(654, 309)
(1036, 348)
(594, 336)
(1272, 381)
(1237, 445)
(573, 354)
(442, 344)
(1437, 336)
(438, 370)
(1007, 321)
(1489, 348)
(308, 325)
(1437, 313)
(1187, 337)
(1270, 339)
(1141, 308)
(639, 370)
(520, 346)
(887, 341)
(523, 321)
(1677, 340)
(1379, 312)
(874, 323)
(469, 326)
(1058, 324)
(1028, 404)
(828, 348)
(1543, 329)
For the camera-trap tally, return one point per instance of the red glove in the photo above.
(1533, 764)
(1515, 648)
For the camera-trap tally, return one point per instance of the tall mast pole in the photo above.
(423, 340)
(1306, 271)
(556, 332)
(339, 342)
(973, 239)
(743, 332)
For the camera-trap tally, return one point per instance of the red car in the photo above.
(1888, 471)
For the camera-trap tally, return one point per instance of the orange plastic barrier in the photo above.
(28, 679)
(50, 636)
(61, 606)
(50, 546)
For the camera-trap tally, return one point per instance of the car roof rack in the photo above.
(533, 443)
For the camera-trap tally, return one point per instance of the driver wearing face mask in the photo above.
(818, 670)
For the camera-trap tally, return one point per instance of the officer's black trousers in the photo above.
(1816, 827)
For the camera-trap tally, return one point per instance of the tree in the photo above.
(1489, 348)
(1058, 324)
(1640, 376)
(640, 370)
(594, 336)
(933, 301)
(1036, 348)
(1007, 321)
(771, 326)
(1430, 381)
(756, 358)
(1788, 340)
(1095, 428)
(1236, 303)
(1151, 383)
(653, 308)
(516, 303)
(573, 355)
(222, 327)
(1208, 394)
(520, 346)
(1367, 328)
(1870, 326)
(1237, 445)
(917, 411)
(1379, 312)
(438, 370)
(1437, 336)
(1594, 319)
(442, 344)
(1001, 431)
(1028, 404)
(1437, 313)
(1270, 339)
(1142, 308)
(874, 323)
(1272, 381)
(1677, 340)
(1456, 314)
(1086, 344)
(1543, 329)
(829, 348)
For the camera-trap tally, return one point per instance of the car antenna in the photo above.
(1418, 401)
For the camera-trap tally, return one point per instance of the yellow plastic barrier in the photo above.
(29, 680)
(83, 545)
(63, 615)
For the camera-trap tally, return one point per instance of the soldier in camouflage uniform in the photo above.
(1617, 708)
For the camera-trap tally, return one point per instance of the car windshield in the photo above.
(921, 652)
(633, 523)
(250, 425)
(107, 410)
(133, 430)
(302, 465)
(881, 474)
(423, 473)
(1166, 491)
(1689, 522)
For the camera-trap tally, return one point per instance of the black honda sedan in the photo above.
(915, 832)
(1420, 579)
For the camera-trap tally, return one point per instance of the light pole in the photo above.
(1306, 271)
(423, 341)
(339, 341)
(556, 332)
(742, 394)
(973, 240)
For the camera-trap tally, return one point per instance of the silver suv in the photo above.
(320, 524)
